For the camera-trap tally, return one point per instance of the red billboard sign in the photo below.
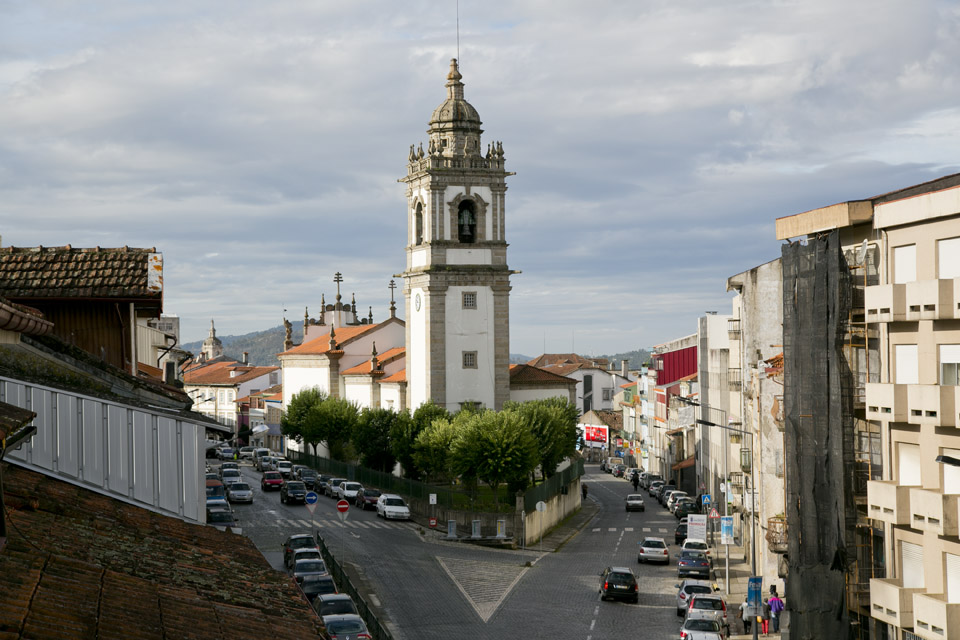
(595, 434)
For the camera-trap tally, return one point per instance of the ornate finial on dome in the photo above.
(213, 331)
(323, 310)
(454, 86)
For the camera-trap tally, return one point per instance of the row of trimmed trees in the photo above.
(498, 448)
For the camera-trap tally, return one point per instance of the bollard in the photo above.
(452, 529)
(476, 530)
(501, 528)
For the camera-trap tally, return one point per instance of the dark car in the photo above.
(293, 491)
(685, 508)
(311, 567)
(308, 477)
(680, 534)
(271, 480)
(663, 492)
(294, 542)
(314, 587)
(367, 498)
(619, 583)
(346, 627)
(330, 489)
(221, 517)
(334, 604)
(693, 564)
(619, 470)
(320, 486)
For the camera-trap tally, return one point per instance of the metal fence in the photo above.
(553, 485)
(377, 630)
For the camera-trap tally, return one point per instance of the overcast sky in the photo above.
(257, 145)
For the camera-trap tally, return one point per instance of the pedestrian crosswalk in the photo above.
(349, 524)
(630, 529)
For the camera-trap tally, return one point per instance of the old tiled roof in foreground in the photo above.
(65, 272)
(94, 567)
(525, 373)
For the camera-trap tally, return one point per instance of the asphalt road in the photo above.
(429, 589)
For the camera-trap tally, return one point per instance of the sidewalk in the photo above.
(739, 579)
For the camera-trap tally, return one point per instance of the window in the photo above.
(906, 364)
(220, 397)
(908, 464)
(607, 395)
(469, 299)
(469, 359)
(419, 223)
(948, 258)
(949, 364)
(466, 222)
(905, 263)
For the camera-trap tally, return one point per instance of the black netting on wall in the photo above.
(819, 438)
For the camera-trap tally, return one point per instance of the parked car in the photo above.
(664, 492)
(653, 487)
(701, 629)
(672, 499)
(225, 453)
(261, 463)
(649, 478)
(293, 491)
(367, 498)
(306, 553)
(697, 545)
(315, 587)
(346, 627)
(239, 492)
(228, 464)
(323, 480)
(693, 563)
(708, 605)
(308, 567)
(685, 507)
(334, 604)
(619, 583)
(680, 534)
(285, 467)
(392, 507)
(689, 588)
(348, 490)
(307, 476)
(634, 502)
(332, 484)
(294, 542)
(221, 517)
(271, 481)
(246, 453)
(653, 550)
(230, 476)
(212, 475)
(259, 452)
(216, 494)
(619, 470)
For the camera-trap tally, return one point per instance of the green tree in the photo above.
(496, 448)
(553, 424)
(371, 438)
(403, 435)
(338, 419)
(303, 420)
(431, 452)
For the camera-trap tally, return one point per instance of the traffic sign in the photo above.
(714, 514)
(344, 509)
(706, 499)
(311, 500)
(541, 506)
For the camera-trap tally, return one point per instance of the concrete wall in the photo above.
(558, 508)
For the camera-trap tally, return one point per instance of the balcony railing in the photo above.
(733, 329)
(735, 378)
(777, 534)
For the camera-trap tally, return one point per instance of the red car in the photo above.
(367, 498)
(272, 480)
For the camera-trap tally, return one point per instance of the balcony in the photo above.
(892, 603)
(886, 303)
(777, 534)
(887, 402)
(930, 300)
(735, 378)
(932, 404)
(733, 329)
(935, 618)
(933, 511)
(888, 502)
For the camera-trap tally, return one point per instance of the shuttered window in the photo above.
(912, 565)
(948, 258)
(909, 464)
(905, 263)
(950, 364)
(953, 577)
(906, 364)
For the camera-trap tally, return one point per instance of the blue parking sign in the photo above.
(311, 497)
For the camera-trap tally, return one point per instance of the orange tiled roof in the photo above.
(321, 345)
(65, 272)
(222, 374)
(528, 374)
(388, 356)
(399, 376)
(95, 567)
(567, 358)
(277, 397)
(147, 370)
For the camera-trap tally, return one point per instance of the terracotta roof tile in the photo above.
(321, 344)
(399, 376)
(388, 356)
(568, 358)
(65, 272)
(97, 567)
(224, 374)
(527, 374)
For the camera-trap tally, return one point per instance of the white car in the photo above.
(696, 545)
(392, 507)
(672, 500)
(348, 491)
(653, 550)
(230, 476)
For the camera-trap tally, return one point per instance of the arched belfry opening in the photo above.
(419, 223)
(467, 222)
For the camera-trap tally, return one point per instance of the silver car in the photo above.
(710, 606)
(653, 550)
(308, 567)
(634, 502)
(701, 629)
(689, 588)
(239, 492)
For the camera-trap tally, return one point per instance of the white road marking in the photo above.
(646, 529)
(374, 599)
(593, 623)
(628, 529)
(596, 530)
(611, 529)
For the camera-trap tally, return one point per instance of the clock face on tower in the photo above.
(416, 302)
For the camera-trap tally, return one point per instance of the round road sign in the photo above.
(541, 506)
(311, 498)
(343, 506)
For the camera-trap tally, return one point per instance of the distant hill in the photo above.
(263, 347)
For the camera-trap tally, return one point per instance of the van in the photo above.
(216, 494)
(611, 464)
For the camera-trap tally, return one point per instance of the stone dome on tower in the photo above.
(212, 347)
(455, 109)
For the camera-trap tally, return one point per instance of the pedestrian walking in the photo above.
(776, 608)
(636, 480)
(765, 617)
(583, 490)
(745, 616)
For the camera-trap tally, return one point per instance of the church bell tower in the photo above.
(457, 283)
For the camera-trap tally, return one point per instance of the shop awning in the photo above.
(683, 464)
(675, 432)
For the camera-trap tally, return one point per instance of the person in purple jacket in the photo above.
(776, 608)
